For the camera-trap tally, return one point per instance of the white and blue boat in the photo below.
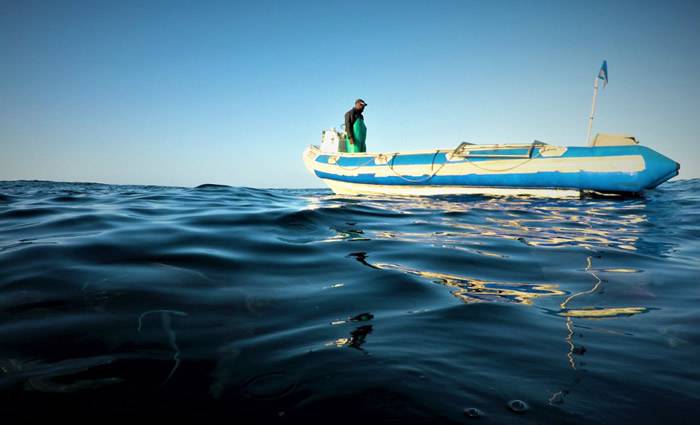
(612, 164)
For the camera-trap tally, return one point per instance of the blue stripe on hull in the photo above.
(609, 182)
(440, 158)
(658, 169)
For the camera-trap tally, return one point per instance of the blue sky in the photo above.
(185, 93)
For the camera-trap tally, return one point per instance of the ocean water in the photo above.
(298, 306)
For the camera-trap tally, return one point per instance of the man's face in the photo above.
(360, 106)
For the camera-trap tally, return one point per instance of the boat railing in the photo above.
(470, 150)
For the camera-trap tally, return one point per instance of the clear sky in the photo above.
(185, 93)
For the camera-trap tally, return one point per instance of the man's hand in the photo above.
(352, 142)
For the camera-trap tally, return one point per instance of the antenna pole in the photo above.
(590, 119)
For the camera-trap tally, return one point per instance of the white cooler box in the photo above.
(332, 141)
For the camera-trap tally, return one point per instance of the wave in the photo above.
(298, 304)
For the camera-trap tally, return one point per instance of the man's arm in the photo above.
(348, 126)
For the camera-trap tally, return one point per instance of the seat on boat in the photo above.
(605, 139)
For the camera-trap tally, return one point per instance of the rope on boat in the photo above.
(501, 170)
(424, 179)
(371, 159)
(530, 158)
(432, 165)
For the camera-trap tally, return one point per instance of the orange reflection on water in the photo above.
(588, 313)
(472, 290)
(599, 313)
(548, 231)
(583, 223)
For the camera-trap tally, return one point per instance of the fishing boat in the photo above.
(610, 164)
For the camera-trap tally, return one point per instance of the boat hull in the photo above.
(539, 170)
(345, 188)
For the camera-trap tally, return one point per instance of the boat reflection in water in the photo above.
(588, 227)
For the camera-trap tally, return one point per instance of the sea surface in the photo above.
(251, 306)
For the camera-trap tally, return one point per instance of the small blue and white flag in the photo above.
(603, 74)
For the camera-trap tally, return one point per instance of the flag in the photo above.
(603, 74)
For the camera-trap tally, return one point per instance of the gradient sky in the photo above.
(185, 93)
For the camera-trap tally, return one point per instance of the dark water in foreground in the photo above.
(285, 306)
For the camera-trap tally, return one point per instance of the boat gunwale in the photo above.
(434, 151)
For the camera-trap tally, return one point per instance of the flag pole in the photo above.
(590, 119)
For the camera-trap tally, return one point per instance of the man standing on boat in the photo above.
(355, 129)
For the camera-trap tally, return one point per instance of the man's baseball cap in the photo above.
(361, 101)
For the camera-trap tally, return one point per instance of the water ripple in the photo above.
(304, 306)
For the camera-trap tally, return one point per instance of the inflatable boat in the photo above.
(612, 164)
